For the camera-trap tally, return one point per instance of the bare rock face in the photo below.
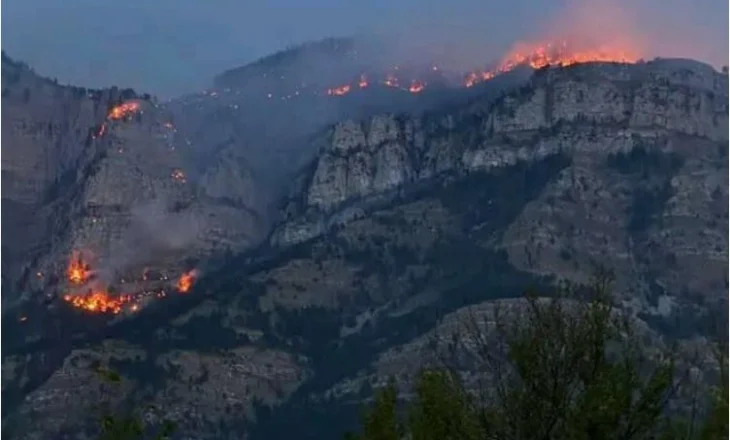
(204, 391)
(673, 110)
(399, 227)
(114, 187)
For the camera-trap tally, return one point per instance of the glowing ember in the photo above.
(561, 54)
(538, 55)
(186, 281)
(178, 175)
(339, 91)
(535, 55)
(123, 110)
(391, 81)
(99, 302)
(78, 271)
(102, 130)
(477, 77)
(416, 87)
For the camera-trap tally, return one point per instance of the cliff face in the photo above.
(398, 222)
(76, 180)
(672, 112)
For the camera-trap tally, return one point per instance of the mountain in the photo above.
(130, 188)
(382, 229)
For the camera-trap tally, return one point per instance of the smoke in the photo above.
(168, 47)
(648, 28)
(153, 233)
(474, 35)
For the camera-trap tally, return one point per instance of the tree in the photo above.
(568, 367)
(380, 422)
(127, 425)
(443, 410)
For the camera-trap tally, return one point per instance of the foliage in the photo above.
(128, 425)
(566, 367)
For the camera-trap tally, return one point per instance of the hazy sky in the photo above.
(171, 46)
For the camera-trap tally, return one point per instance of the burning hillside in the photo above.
(119, 112)
(99, 299)
(123, 110)
(535, 55)
(78, 271)
(539, 55)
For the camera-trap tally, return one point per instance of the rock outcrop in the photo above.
(624, 104)
(399, 221)
(594, 113)
(115, 189)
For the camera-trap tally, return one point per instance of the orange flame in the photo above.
(339, 91)
(102, 130)
(535, 55)
(538, 55)
(98, 302)
(416, 86)
(391, 81)
(186, 281)
(178, 175)
(78, 271)
(123, 110)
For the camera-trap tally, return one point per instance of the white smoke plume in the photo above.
(154, 232)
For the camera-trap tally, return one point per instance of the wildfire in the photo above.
(178, 175)
(391, 81)
(339, 91)
(186, 281)
(118, 112)
(416, 87)
(78, 271)
(123, 110)
(535, 55)
(538, 55)
(477, 77)
(99, 302)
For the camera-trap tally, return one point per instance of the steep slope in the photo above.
(642, 135)
(400, 221)
(269, 109)
(100, 175)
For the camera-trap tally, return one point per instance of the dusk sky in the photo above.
(168, 47)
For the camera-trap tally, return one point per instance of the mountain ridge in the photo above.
(495, 195)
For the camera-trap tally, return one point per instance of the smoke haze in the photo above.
(169, 47)
(153, 233)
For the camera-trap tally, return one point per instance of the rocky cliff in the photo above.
(399, 221)
(674, 112)
(78, 179)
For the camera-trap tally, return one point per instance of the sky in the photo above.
(170, 47)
